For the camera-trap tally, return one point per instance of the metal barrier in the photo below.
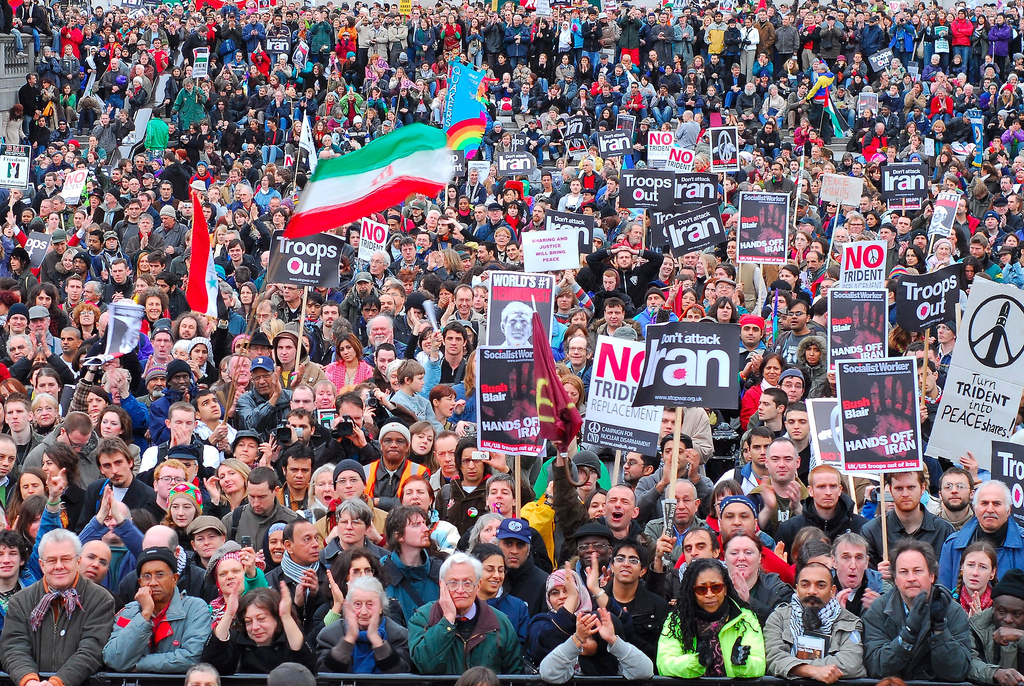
(113, 679)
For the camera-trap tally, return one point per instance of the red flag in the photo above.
(560, 421)
(201, 290)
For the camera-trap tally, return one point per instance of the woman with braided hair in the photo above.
(711, 631)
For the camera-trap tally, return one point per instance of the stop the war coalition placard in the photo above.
(690, 364)
(763, 225)
(881, 425)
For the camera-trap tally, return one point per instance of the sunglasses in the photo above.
(715, 589)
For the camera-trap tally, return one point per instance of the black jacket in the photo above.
(845, 521)
(527, 584)
(138, 497)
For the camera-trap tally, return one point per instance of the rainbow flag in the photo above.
(465, 119)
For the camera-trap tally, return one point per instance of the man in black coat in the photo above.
(523, 579)
(827, 508)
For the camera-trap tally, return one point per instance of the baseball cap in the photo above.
(516, 528)
(263, 362)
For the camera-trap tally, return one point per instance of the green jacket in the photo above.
(437, 649)
(986, 656)
(674, 660)
(157, 135)
(189, 107)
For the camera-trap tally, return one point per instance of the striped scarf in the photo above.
(827, 615)
(294, 570)
(71, 601)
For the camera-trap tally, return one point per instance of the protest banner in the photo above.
(515, 163)
(867, 102)
(612, 421)
(37, 244)
(14, 166)
(309, 261)
(614, 143)
(74, 184)
(763, 226)
(880, 60)
(823, 423)
(576, 126)
(1008, 467)
(863, 264)
(458, 162)
(943, 216)
(627, 123)
(506, 396)
(845, 190)
(880, 423)
(695, 230)
(201, 63)
(690, 364)
(550, 250)
(904, 182)
(696, 189)
(373, 237)
(680, 159)
(647, 189)
(725, 151)
(983, 383)
(511, 299)
(658, 145)
(927, 300)
(124, 326)
(581, 225)
(576, 146)
(858, 323)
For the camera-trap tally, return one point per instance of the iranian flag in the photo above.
(201, 291)
(413, 159)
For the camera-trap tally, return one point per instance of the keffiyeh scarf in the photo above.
(827, 615)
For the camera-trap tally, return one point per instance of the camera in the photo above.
(344, 429)
(283, 435)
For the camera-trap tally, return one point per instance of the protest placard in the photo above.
(880, 422)
(690, 364)
(612, 421)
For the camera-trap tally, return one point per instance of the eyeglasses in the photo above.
(159, 576)
(584, 547)
(465, 585)
(172, 479)
(622, 559)
(703, 589)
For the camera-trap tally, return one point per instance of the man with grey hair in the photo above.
(460, 630)
(992, 522)
(60, 625)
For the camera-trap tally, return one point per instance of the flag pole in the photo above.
(298, 344)
(674, 460)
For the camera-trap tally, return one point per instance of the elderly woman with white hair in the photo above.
(365, 640)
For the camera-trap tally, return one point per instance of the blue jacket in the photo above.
(131, 644)
(517, 612)
(1008, 556)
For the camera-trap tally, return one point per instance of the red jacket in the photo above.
(962, 30)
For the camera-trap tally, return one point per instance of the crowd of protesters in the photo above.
(297, 479)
